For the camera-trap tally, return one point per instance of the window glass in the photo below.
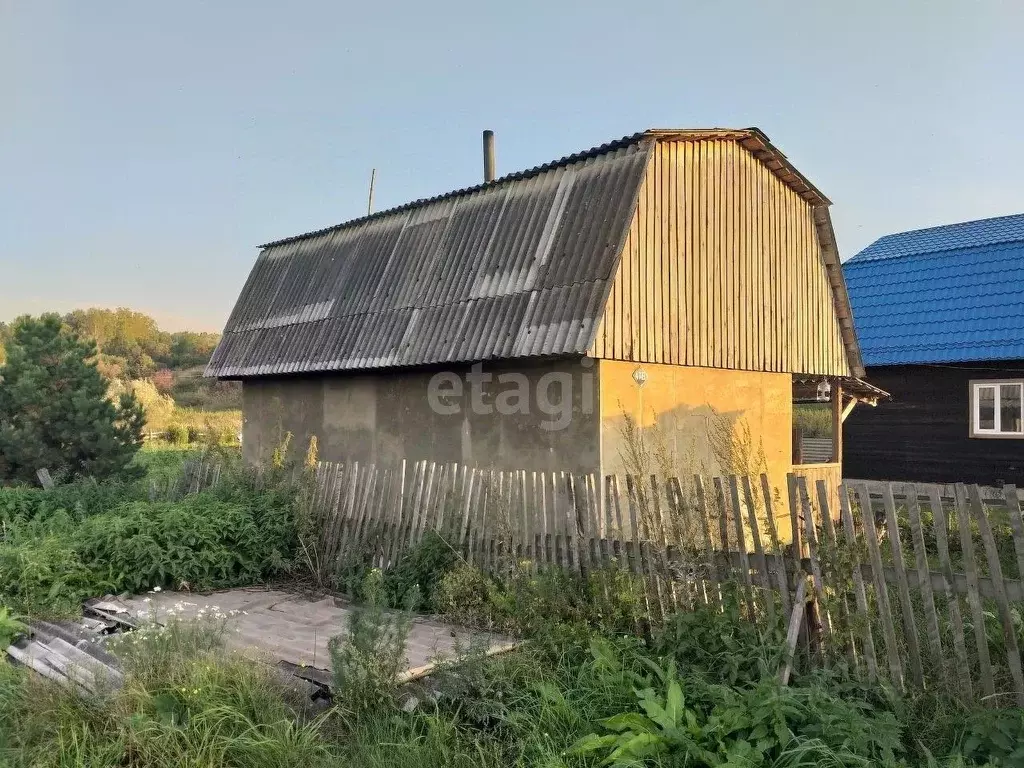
(1009, 407)
(986, 408)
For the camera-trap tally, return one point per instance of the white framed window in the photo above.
(996, 408)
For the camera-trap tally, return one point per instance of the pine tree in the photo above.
(54, 412)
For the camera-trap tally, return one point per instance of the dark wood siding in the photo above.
(922, 434)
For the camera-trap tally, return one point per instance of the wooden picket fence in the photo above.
(197, 474)
(918, 585)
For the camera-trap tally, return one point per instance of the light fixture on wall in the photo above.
(640, 376)
(824, 391)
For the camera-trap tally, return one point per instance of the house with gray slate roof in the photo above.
(676, 281)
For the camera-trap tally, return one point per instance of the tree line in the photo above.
(130, 344)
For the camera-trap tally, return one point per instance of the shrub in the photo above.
(464, 596)
(418, 572)
(79, 499)
(366, 661)
(158, 407)
(529, 601)
(721, 725)
(43, 575)
(199, 541)
(995, 737)
(722, 643)
(178, 434)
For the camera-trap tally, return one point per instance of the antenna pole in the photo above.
(369, 202)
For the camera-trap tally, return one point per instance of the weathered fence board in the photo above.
(869, 554)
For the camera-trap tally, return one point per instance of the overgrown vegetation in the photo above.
(368, 658)
(593, 684)
(571, 696)
(185, 702)
(60, 546)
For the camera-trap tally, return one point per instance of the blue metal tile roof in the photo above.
(947, 294)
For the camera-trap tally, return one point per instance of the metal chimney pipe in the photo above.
(488, 156)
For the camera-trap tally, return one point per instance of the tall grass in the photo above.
(200, 706)
(186, 701)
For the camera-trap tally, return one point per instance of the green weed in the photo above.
(367, 660)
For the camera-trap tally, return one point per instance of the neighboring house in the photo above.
(683, 280)
(940, 317)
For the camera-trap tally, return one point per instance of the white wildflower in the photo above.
(158, 589)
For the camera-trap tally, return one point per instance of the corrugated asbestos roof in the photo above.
(942, 295)
(519, 267)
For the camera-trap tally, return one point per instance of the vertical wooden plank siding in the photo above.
(721, 268)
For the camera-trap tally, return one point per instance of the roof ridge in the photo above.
(753, 139)
(984, 219)
(944, 238)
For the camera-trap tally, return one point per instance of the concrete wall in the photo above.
(388, 416)
(705, 420)
(697, 420)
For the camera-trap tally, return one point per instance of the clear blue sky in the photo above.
(146, 149)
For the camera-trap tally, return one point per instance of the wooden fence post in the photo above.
(773, 536)
(973, 593)
(820, 608)
(903, 589)
(867, 517)
(762, 560)
(796, 619)
(741, 547)
(832, 542)
(713, 593)
(924, 577)
(941, 530)
(860, 595)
